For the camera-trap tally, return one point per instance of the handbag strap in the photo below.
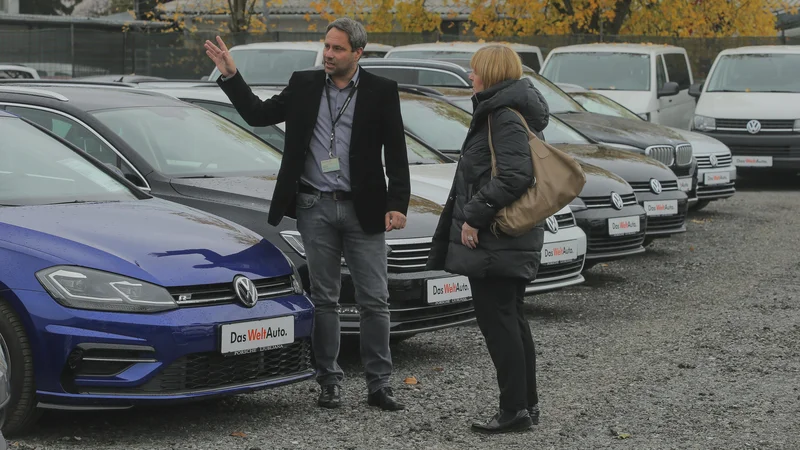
(491, 146)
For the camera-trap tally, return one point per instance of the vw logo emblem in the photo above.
(753, 126)
(245, 290)
(552, 224)
(616, 200)
(713, 160)
(655, 186)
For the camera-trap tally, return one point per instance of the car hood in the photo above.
(749, 105)
(153, 240)
(255, 193)
(702, 144)
(601, 182)
(617, 130)
(636, 101)
(630, 166)
(433, 181)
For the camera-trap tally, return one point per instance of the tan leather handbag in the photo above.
(557, 180)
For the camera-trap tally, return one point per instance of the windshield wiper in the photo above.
(9, 205)
(72, 202)
(196, 176)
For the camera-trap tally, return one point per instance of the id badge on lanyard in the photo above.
(332, 164)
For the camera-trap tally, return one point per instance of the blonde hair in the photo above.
(496, 63)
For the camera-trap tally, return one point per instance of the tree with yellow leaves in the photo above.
(381, 16)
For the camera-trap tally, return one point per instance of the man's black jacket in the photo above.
(377, 128)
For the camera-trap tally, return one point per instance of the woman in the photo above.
(498, 266)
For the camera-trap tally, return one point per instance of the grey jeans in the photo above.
(330, 228)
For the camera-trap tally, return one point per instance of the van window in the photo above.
(756, 73)
(531, 60)
(678, 70)
(600, 70)
(661, 75)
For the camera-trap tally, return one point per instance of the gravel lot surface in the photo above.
(695, 344)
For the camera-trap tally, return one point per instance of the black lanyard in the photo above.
(334, 121)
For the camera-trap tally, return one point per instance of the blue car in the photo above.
(111, 298)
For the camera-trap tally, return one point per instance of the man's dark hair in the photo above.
(356, 34)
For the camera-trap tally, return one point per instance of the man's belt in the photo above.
(336, 195)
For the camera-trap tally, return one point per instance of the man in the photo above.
(332, 181)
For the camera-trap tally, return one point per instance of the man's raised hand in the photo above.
(221, 57)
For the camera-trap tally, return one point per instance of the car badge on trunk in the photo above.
(552, 224)
(245, 290)
(616, 200)
(655, 186)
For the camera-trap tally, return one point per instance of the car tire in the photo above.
(21, 411)
(699, 205)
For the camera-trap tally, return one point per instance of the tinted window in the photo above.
(756, 73)
(677, 69)
(557, 132)
(189, 142)
(661, 75)
(531, 60)
(77, 135)
(600, 70)
(442, 125)
(272, 134)
(270, 66)
(421, 76)
(36, 169)
(600, 104)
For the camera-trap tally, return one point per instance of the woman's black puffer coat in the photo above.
(476, 197)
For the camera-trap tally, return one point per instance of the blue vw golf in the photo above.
(110, 298)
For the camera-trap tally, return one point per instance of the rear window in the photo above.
(600, 70)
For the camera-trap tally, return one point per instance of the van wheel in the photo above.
(20, 412)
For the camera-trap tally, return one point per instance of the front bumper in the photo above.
(763, 151)
(602, 246)
(709, 186)
(561, 274)
(90, 360)
(661, 222)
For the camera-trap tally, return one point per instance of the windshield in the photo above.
(557, 132)
(270, 66)
(600, 70)
(600, 104)
(186, 141)
(756, 73)
(442, 125)
(558, 101)
(418, 153)
(36, 169)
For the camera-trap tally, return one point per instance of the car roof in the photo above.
(763, 49)
(296, 45)
(408, 62)
(91, 97)
(466, 46)
(644, 48)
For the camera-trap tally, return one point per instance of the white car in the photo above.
(18, 71)
(651, 80)
(274, 62)
(751, 102)
(716, 174)
(432, 175)
(530, 55)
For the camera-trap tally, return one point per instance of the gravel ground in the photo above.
(692, 345)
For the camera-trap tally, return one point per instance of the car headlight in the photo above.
(83, 288)
(797, 126)
(704, 123)
(577, 205)
(295, 241)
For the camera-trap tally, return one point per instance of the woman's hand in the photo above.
(469, 236)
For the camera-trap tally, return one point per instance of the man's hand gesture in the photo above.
(221, 57)
(395, 221)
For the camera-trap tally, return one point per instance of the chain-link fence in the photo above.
(74, 52)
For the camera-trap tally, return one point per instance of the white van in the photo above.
(274, 62)
(651, 80)
(530, 55)
(751, 102)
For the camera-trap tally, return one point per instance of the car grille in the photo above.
(565, 220)
(644, 186)
(683, 154)
(212, 370)
(598, 240)
(408, 320)
(778, 151)
(559, 270)
(716, 191)
(740, 125)
(408, 255)
(662, 153)
(605, 201)
(223, 293)
(723, 160)
(665, 223)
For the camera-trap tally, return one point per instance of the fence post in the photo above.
(72, 47)
(124, 48)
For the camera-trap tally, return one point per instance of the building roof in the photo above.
(105, 22)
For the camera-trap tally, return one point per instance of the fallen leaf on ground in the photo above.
(623, 435)
(238, 434)
(439, 369)
(411, 380)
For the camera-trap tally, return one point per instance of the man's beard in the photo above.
(341, 70)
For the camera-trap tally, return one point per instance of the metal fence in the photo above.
(74, 52)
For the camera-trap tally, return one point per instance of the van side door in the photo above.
(677, 110)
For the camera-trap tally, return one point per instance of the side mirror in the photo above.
(696, 89)
(669, 89)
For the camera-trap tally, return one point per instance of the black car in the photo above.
(655, 185)
(653, 140)
(184, 153)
